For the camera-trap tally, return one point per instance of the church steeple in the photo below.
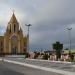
(13, 24)
(13, 19)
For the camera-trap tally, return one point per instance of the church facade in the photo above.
(13, 41)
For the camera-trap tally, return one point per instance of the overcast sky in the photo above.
(49, 18)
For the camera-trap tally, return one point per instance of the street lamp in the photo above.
(28, 25)
(69, 31)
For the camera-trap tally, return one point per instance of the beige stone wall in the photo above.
(1, 45)
(21, 42)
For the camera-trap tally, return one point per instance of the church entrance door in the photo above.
(14, 51)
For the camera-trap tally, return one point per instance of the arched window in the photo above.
(14, 40)
(10, 28)
(14, 28)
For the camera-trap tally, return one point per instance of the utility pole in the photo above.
(69, 32)
(28, 25)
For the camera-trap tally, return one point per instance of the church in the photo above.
(13, 41)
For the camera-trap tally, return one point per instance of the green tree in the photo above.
(72, 57)
(58, 47)
(26, 55)
(45, 56)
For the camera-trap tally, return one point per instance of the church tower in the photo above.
(14, 41)
(13, 24)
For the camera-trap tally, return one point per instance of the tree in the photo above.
(36, 55)
(45, 56)
(26, 55)
(58, 47)
(72, 57)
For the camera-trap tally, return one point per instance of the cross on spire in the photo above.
(13, 10)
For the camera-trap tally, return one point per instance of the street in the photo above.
(14, 69)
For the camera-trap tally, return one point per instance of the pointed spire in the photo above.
(13, 19)
(20, 29)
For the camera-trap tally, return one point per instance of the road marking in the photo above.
(42, 68)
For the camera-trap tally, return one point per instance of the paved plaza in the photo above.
(53, 68)
(14, 69)
(49, 64)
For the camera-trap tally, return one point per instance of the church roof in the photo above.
(13, 19)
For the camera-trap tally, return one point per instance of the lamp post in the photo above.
(69, 31)
(28, 25)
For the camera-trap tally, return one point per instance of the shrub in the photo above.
(45, 56)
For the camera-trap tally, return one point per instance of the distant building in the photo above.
(13, 41)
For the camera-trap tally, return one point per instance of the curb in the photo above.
(50, 61)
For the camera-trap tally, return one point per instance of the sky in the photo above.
(49, 19)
